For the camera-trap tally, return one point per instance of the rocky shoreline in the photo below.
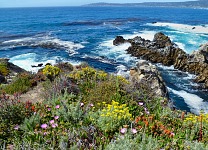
(163, 50)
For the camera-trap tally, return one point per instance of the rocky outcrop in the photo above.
(162, 50)
(13, 71)
(147, 75)
(119, 40)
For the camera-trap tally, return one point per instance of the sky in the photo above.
(38, 3)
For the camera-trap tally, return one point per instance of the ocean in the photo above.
(29, 36)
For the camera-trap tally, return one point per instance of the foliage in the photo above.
(21, 84)
(112, 116)
(4, 69)
(51, 71)
(12, 114)
(90, 109)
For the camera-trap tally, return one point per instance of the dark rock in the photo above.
(162, 40)
(40, 65)
(162, 50)
(119, 40)
(48, 64)
(2, 79)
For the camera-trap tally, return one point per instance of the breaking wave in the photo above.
(41, 41)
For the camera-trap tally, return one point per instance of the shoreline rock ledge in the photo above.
(147, 76)
(163, 50)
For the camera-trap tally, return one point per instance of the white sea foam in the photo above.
(122, 71)
(44, 41)
(147, 35)
(182, 27)
(26, 61)
(194, 102)
(180, 45)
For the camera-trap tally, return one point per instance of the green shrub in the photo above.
(4, 69)
(21, 84)
(12, 114)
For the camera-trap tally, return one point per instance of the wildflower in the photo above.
(49, 109)
(91, 105)
(33, 108)
(52, 121)
(123, 130)
(44, 126)
(141, 103)
(45, 133)
(57, 106)
(56, 117)
(81, 104)
(172, 134)
(147, 112)
(54, 125)
(134, 131)
(16, 127)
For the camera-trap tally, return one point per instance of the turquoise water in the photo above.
(29, 36)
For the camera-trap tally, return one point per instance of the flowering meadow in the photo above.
(85, 108)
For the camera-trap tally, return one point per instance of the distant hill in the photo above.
(192, 4)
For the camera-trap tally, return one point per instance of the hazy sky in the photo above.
(35, 3)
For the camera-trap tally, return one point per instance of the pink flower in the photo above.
(49, 109)
(16, 127)
(123, 130)
(44, 126)
(134, 131)
(141, 103)
(91, 105)
(147, 112)
(54, 125)
(52, 121)
(45, 133)
(81, 104)
(57, 106)
(56, 117)
(172, 134)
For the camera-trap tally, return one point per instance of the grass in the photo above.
(90, 109)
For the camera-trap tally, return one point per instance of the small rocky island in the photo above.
(163, 50)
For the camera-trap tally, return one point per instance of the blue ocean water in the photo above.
(29, 36)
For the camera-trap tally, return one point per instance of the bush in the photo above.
(51, 72)
(12, 114)
(4, 69)
(21, 84)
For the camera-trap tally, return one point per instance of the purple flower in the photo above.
(52, 121)
(16, 127)
(45, 133)
(44, 126)
(49, 109)
(81, 104)
(123, 130)
(145, 109)
(56, 117)
(141, 103)
(57, 106)
(134, 131)
(54, 125)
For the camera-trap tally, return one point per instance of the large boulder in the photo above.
(148, 75)
(162, 40)
(119, 40)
